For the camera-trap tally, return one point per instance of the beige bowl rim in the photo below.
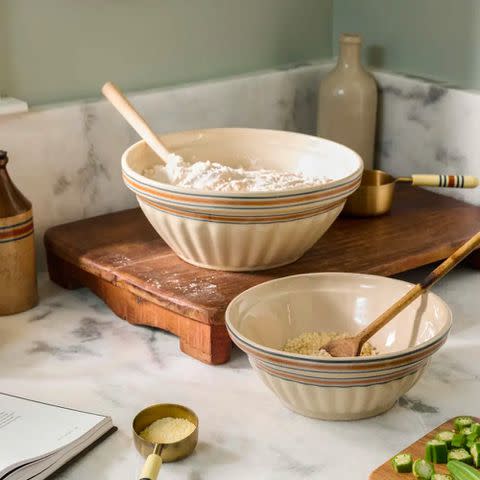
(355, 174)
(383, 356)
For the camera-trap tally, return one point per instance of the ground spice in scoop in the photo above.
(168, 430)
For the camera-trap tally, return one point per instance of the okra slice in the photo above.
(422, 469)
(475, 427)
(461, 470)
(446, 436)
(441, 476)
(471, 439)
(475, 451)
(462, 422)
(466, 431)
(458, 440)
(402, 463)
(436, 451)
(461, 455)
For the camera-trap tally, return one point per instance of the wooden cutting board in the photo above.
(123, 260)
(417, 450)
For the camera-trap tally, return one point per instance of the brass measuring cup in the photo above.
(156, 454)
(375, 194)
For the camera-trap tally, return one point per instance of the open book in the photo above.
(36, 438)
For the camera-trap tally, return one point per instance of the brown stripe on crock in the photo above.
(10, 234)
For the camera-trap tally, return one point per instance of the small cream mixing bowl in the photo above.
(262, 319)
(156, 454)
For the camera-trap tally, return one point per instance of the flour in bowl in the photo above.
(206, 175)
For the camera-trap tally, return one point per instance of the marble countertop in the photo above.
(72, 350)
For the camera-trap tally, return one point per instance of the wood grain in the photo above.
(417, 449)
(123, 249)
(207, 343)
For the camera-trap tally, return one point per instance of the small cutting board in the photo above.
(417, 450)
(123, 260)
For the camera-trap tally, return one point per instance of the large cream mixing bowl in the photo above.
(244, 231)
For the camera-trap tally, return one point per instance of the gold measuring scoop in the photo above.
(158, 453)
(375, 194)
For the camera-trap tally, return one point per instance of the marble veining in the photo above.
(73, 351)
(428, 128)
(416, 405)
(66, 158)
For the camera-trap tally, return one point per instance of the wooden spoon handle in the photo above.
(128, 112)
(417, 290)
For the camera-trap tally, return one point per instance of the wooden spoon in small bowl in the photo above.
(351, 347)
(136, 121)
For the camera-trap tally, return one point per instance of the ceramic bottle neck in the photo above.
(12, 201)
(349, 56)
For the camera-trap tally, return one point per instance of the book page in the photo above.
(30, 429)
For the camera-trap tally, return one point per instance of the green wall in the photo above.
(3, 54)
(56, 50)
(433, 38)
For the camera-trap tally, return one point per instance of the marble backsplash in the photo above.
(66, 158)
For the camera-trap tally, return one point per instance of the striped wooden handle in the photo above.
(451, 181)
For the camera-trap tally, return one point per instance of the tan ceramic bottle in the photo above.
(18, 281)
(347, 102)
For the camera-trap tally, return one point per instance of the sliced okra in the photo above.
(475, 451)
(462, 422)
(458, 440)
(446, 436)
(436, 451)
(402, 463)
(461, 455)
(422, 469)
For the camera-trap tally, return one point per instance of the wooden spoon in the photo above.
(125, 108)
(351, 347)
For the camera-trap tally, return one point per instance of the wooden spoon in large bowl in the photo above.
(351, 347)
(136, 121)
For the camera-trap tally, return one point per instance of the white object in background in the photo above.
(10, 105)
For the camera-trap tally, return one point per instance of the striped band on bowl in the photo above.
(241, 219)
(364, 364)
(340, 382)
(345, 373)
(271, 201)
